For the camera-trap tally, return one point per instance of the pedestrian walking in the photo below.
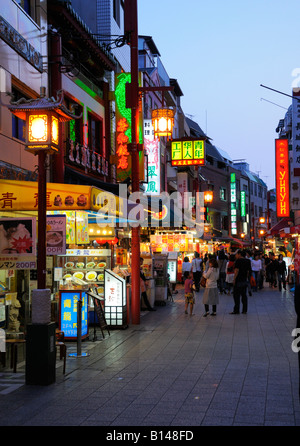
(256, 268)
(229, 273)
(242, 271)
(196, 270)
(189, 294)
(281, 272)
(272, 268)
(211, 295)
(186, 268)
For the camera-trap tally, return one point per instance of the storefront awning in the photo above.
(23, 196)
(283, 223)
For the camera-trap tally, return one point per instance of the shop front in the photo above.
(81, 238)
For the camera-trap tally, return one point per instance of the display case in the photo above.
(84, 264)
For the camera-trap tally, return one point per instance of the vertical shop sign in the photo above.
(295, 155)
(243, 203)
(233, 224)
(282, 178)
(123, 130)
(152, 149)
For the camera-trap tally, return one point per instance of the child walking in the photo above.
(189, 294)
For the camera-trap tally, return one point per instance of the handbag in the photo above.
(203, 282)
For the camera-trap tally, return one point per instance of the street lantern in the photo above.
(163, 122)
(42, 116)
(243, 235)
(262, 220)
(208, 196)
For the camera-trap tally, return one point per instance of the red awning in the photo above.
(283, 223)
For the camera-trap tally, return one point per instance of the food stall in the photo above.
(72, 252)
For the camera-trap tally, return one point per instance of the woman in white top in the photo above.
(256, 267)
(186, 268)
(211, 295)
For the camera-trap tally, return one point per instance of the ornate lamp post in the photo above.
(42, 116)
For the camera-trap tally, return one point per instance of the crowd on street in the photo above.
(240, 274)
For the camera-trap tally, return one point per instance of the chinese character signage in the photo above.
(187, 152)
(282, 178)
(23, 196)
(295, 153)
(243, 203)
(68, 313)
(152, 150)
(233, 214)
(123, 129)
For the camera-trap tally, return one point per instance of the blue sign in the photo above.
(68, 313)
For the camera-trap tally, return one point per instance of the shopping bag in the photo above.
(203, 282)
(252, 282)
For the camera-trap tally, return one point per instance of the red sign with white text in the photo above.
(282, 177)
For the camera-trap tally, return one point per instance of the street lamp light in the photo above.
(208, 196)
(163, 122)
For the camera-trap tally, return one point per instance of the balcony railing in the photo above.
(85, 159)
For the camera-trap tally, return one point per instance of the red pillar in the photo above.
(131, 21)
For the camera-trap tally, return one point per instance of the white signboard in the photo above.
(152, 150)
(115, 290)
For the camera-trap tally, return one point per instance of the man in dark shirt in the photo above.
(242, 270)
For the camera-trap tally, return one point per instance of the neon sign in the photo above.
(282, 177)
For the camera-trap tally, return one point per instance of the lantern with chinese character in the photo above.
(163, 121)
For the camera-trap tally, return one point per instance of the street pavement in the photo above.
(173, 370)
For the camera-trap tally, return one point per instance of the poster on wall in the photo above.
(56, 235)
(17, 237)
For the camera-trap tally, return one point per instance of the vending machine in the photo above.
(160, 274)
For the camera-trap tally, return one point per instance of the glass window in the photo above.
(95, 136)
(18, 125)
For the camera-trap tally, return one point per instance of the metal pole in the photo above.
(79, 310)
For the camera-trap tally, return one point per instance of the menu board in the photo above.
(68, 313)
(115, 290)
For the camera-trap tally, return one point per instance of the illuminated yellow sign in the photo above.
(187, 152)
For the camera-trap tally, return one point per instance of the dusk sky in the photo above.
(220, 52)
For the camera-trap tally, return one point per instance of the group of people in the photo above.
(238, 273)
